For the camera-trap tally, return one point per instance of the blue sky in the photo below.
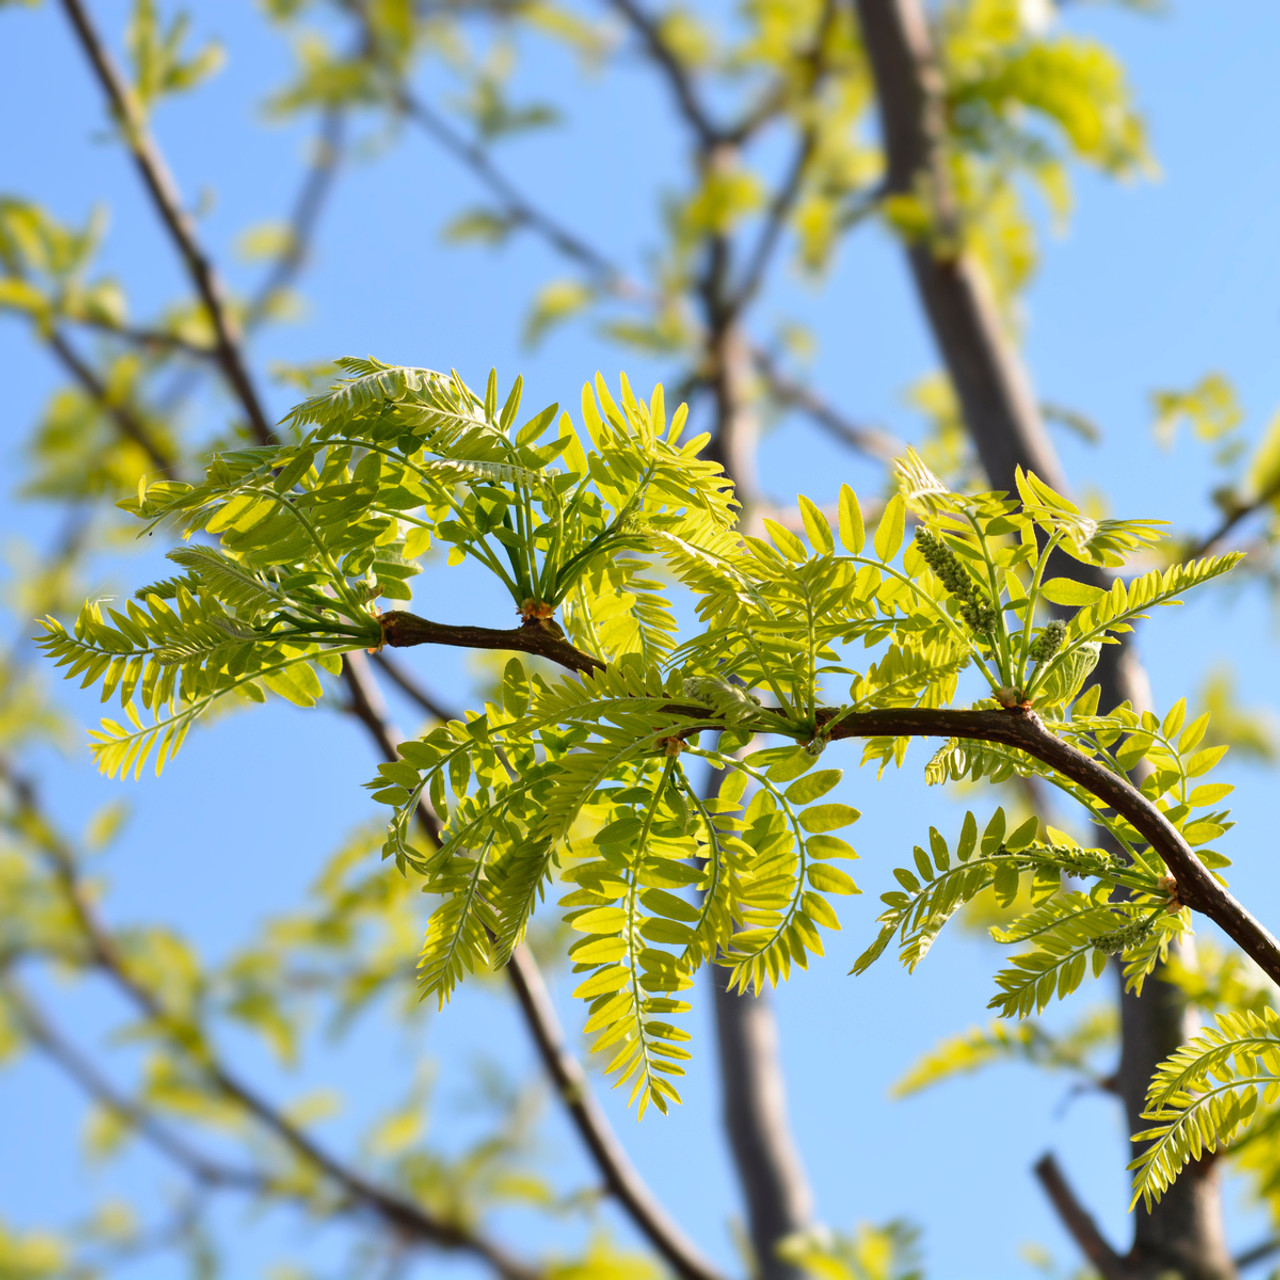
(1156, 284)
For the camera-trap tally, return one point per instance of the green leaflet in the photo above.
(1205, 1094)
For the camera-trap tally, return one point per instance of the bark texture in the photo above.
(1182, 1235)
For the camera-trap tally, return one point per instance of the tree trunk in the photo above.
(765, 1155)
(1182, 1235)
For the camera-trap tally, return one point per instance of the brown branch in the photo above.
(775, 217)
(144, 338)
(787, 391)
(989, 379)
(131, 426)
(412, 689)
(1016, 727)
(1006, 426)
(401, 630)
(367, 706)
(779, 1200)
(534, 638)
(168, 204)
(1237, 515)
(1197, 887)
(621, 1178)
(1259, 1253)
(391, 1207)
(765, 1155)
(1078, 1221)
(517, 207)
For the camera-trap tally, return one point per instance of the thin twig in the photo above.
(621, 1177)
(146, 339)
(164, 196)
(412, 689)
(124, 417)
(41, 1032)
(515, 206)
(1237, 515)
(788, 191)
(406, 1216)
(1078, 1221)
(367, 706)
(786, 390)
(317, 185)
(539, 640)
(677, 75)
(1259, 1253)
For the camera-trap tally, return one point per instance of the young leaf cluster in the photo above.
(588, 781)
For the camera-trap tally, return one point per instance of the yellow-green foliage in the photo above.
(586, 780)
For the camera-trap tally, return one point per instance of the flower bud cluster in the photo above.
(1122, 939)
(975, 606)
(729, 699)
(1085, 862)
(1048, 642)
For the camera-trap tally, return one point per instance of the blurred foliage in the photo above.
(1027, 105)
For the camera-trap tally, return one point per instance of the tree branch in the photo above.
(401, 630)
(754, 1108)
(766, 1157)
(1237, 515)
(989, 380)
(516, 206)
(1185, 1229)
(146, 339)
(1017, 727)
(305, 217)
(1078, 1221)
(788, 191)
(589, 1119)
(534, 638)
(677, 75)
(1259, 1253)
(41, 1032)
(366, 705)
(131, 426)
(414, 691)
(1197, 888)
(168, 204)
(787, 391)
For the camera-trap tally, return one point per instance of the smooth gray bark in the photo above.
(754, 1103)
